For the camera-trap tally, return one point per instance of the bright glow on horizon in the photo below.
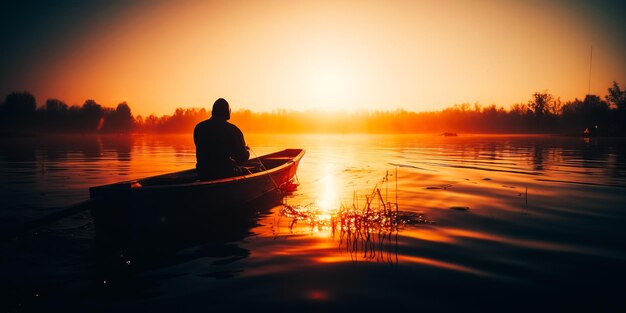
(330, 55)
(330, 84)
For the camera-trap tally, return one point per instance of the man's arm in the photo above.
(240, 153)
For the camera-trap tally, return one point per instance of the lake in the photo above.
(483, 223)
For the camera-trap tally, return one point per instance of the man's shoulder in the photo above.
(203, 122)
(202, 125)
(233, 127)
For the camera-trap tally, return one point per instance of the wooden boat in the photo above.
(141, 206)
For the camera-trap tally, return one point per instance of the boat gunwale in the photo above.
(209, 182)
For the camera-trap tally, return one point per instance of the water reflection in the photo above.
(367, 229)
(62, 266)
(44, 173)
(215, 239)
(542, 216)
(329, 197)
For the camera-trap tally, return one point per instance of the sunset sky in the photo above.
(351, 55)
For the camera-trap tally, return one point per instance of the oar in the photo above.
(42, 221)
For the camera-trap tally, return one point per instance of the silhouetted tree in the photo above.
(596, 113)
(53, 116)
(540, 105)
(120, 120)
(55, 105)
(616, 97)
(91, 117)
(554, 107)
(591, 114)
(572, 117)
(17, 111)
(20, 104)
(151, 123)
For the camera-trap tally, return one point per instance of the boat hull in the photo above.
(123, 211)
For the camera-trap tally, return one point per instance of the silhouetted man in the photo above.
(219, 144)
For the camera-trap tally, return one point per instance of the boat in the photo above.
(143, 206)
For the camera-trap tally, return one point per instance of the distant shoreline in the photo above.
(6, 135)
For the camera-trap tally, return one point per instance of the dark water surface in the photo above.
(487, 223)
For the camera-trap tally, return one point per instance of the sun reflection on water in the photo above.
(328, 200)
(367, 228)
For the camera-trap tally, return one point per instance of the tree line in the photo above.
(19, 114)
(543, 113)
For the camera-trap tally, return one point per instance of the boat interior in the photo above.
(250, 167)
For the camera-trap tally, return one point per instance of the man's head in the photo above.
(221, 109)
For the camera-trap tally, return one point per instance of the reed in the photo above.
(367, 228)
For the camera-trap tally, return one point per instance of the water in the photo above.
(488, 223)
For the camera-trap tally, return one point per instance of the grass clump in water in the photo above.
(366, 230)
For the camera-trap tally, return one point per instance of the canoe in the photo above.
(141, 206)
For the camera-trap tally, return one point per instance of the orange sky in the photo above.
(266, 55)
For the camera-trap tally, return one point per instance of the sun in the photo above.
(330, 85)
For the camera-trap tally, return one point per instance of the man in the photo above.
(219, 144)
